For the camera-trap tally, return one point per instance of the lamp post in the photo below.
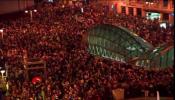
(2, 33)
(2, 73)
(6, 72)
(31, 13)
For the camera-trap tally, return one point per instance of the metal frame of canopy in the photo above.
(118, 43)
(117, 40)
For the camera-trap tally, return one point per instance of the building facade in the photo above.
(161, 9)
(10, 6)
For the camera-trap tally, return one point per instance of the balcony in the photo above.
(151, 5)
(156, 7)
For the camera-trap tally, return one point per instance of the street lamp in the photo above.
(31, 13)
(2, 73)
(2, 33)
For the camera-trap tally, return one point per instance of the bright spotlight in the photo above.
(35, 10)
(26, 11)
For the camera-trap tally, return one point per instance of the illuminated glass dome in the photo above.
(116, 43)
(120, 44)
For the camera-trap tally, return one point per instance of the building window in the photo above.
(173, 4)
(165, 17)
(123, 9)
(131, 11)
(139, 12)
(165, 3)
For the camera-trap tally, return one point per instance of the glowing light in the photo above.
(63, 6)
(155, 50)
(26, 11)
(82, 10)
(151, 3)
(112, 6)
(2, 72)
(163, 25)
(1, 30)
(35, 10)
(50, 0)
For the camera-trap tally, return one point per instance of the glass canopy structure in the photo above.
(120, 44)
(116, 43)
(161, 57)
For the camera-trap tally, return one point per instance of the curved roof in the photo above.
(162, 57)
(114, 41)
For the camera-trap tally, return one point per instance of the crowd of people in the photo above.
(55, 35)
